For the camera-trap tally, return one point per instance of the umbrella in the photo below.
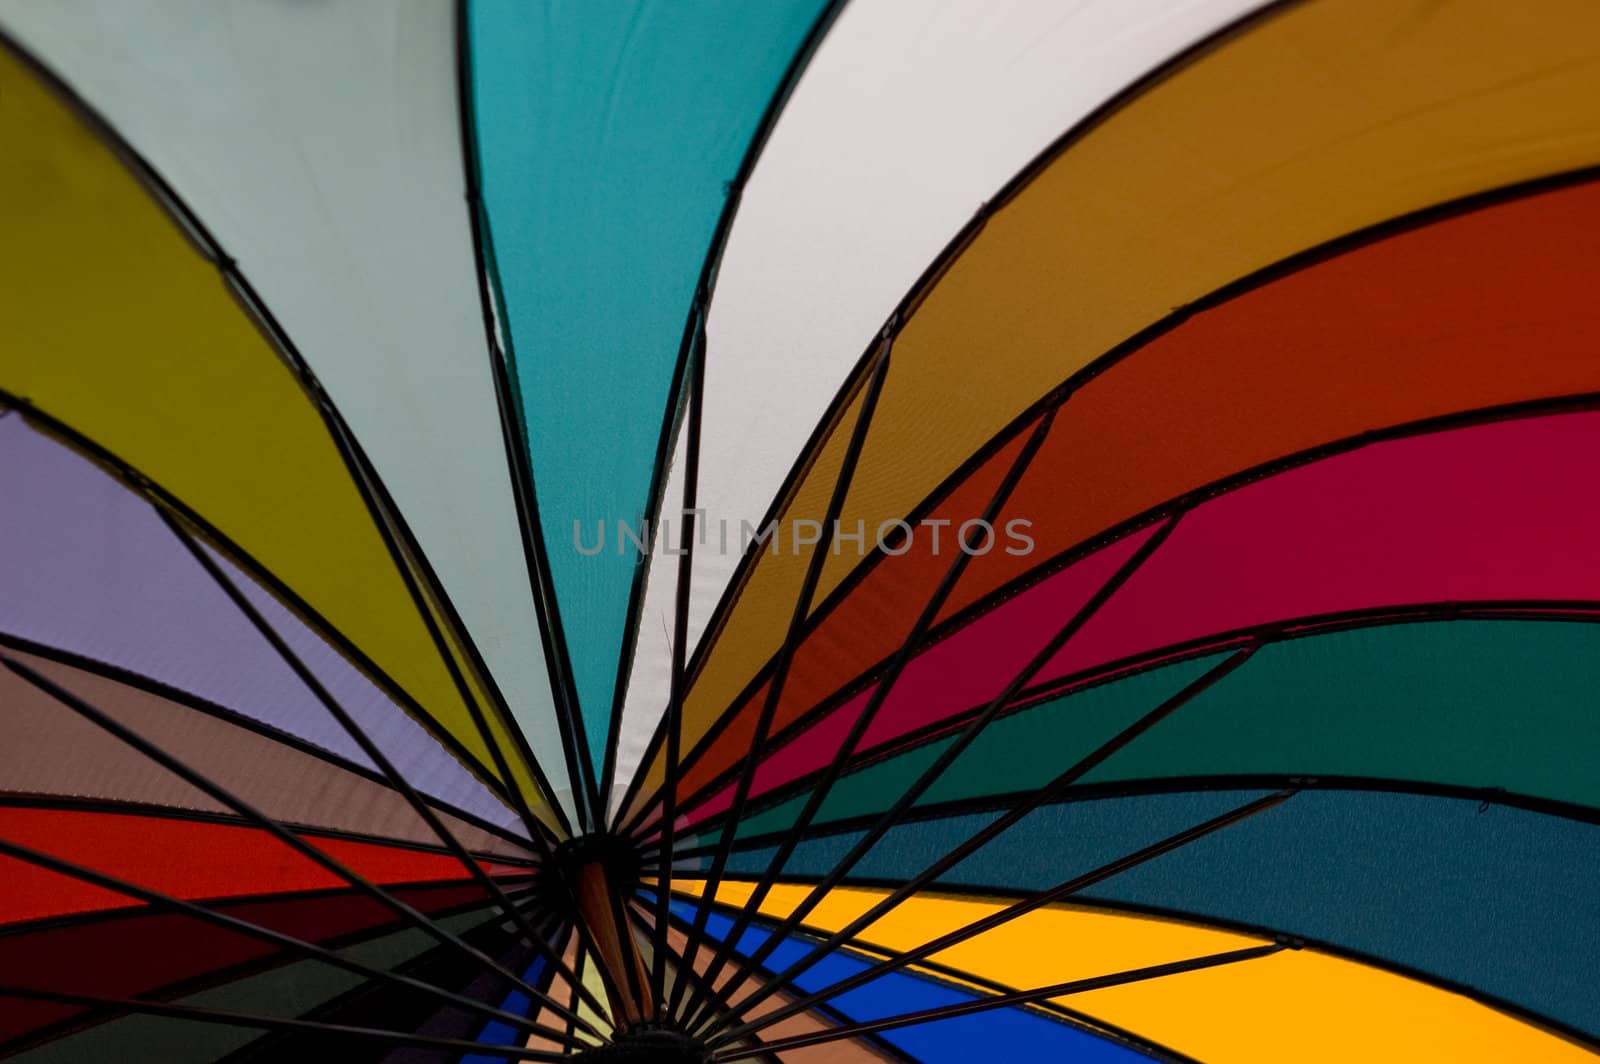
(799, 531)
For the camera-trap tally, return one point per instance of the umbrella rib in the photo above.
(981, 926)
(864, 719)
(802, 607)
(1019, 997)
(311, 950)
(967, 736)
(271, 1023)
(251, 813)
(365, 741)
(680, 629)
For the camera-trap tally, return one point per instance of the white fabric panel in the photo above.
(650, 678)
(908, 118)
(320, 142)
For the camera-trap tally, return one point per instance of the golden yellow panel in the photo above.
(1324, 118)
(115, 324)
(1300, 1005)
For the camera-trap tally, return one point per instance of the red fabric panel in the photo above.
(187, 859)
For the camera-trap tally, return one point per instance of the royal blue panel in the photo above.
(995, 1034)
(608, 133)
(496, 1033)
(1492, 897)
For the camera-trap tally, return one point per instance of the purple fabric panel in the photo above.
(417, 755)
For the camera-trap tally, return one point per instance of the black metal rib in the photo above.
(368, 746)
(968, 735)
(273, 1023)
(261, 819)
(244, 927)
(680, 625)
(523, 491)
(704, 288)
(1019, 997)
(802, 606)
(864, 719)
(1017, 909)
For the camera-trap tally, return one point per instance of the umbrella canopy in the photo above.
(799, 531)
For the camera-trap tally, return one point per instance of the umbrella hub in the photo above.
(648, 1044)
(617, 855)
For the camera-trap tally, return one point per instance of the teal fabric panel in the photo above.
(1024, 750)
(1508, 704)
(608, 134)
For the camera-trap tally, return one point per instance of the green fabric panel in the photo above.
(1024, 750)
(1509, 704)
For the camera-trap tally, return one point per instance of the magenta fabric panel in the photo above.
(1493, 512)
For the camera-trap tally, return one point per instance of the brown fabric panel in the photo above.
(50, 750)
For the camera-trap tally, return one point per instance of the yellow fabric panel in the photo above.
(115, 324)
(760, 618)
(596, 985)
(1298, 1005)
(1315, 1008)
(1320, 120)
(1022, 953)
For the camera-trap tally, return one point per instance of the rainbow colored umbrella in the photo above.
(793, 531)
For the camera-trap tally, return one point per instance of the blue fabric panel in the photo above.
(995, 1034)
(496, 1033)
(607, 135)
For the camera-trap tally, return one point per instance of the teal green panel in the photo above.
(608, 134)
(1015, 753)
(1510, 704)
